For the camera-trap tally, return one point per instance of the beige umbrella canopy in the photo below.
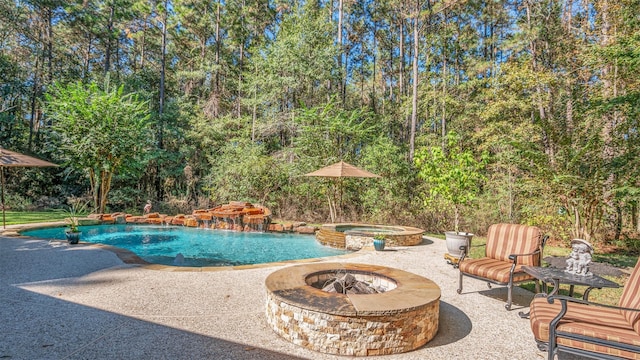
(14, 159)
(341, 170)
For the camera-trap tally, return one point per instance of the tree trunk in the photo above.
(239, 95)
(577, 226)
(49, 46)
(216, 88)
(549, 150)
(107, 56)
(341, 70)
(94, 190)
(375, 49)
(634, 212)
(105, 186)
(142, 45)
(160, 132)
(87, 58)
(35, 92)
(391, 75)
(414, 99)
(401, 91)
(163, 64)
(443, 119)
(254, 114)
(608, 92)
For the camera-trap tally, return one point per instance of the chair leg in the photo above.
(551, 350)
(459, 291)
(509, 288)
(542, 346)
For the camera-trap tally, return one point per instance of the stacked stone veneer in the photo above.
(396, 321)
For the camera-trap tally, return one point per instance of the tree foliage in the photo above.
(273, 89)
(451, 173)
(100, 130)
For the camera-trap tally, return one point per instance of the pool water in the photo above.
(198, 247)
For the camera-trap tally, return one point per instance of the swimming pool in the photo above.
(198, 247)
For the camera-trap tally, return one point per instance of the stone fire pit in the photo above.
(401, 316)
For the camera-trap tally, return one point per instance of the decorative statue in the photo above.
(580, 257)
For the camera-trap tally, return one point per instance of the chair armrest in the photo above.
(514, 257)
(564, 299)
(464, 247)
(463, 253)
(544, 240)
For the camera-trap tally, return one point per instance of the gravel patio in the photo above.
(83, 302)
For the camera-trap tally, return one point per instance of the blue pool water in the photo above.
(199, 247)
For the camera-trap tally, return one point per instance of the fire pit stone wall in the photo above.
(401, 319)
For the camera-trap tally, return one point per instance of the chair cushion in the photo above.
(506, 239)
(602, 323)
(496, 270)
(631, 298)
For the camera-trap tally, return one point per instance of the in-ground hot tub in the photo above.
(402, 316)
(354, 236)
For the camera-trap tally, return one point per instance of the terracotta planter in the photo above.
(455, 240)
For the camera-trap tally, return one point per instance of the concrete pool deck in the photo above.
(59, 301)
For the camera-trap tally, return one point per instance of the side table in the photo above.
(558, 276)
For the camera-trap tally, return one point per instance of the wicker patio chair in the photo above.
(508, 248)
(576, 326)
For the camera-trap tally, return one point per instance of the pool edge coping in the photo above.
(130, 258)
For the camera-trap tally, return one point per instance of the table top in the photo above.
(564, 277)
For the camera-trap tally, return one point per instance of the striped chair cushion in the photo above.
(598, 322)
(496, 270)
(506, 239)
(631, 298)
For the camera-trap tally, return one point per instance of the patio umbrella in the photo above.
(14, 159)
(341, 170)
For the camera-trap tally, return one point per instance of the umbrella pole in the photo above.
(331, 209)
(341, 208)
(4, 221)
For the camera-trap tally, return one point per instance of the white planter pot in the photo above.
(455, 240)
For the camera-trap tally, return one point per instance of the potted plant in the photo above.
(73, 232)
(379, 242)
(454, 176)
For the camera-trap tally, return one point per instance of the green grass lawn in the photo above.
(25, 217)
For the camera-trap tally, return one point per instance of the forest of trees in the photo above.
(243, 97)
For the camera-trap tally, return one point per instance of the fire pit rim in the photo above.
(411, 293)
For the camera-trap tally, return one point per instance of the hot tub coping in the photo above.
(397, 229)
